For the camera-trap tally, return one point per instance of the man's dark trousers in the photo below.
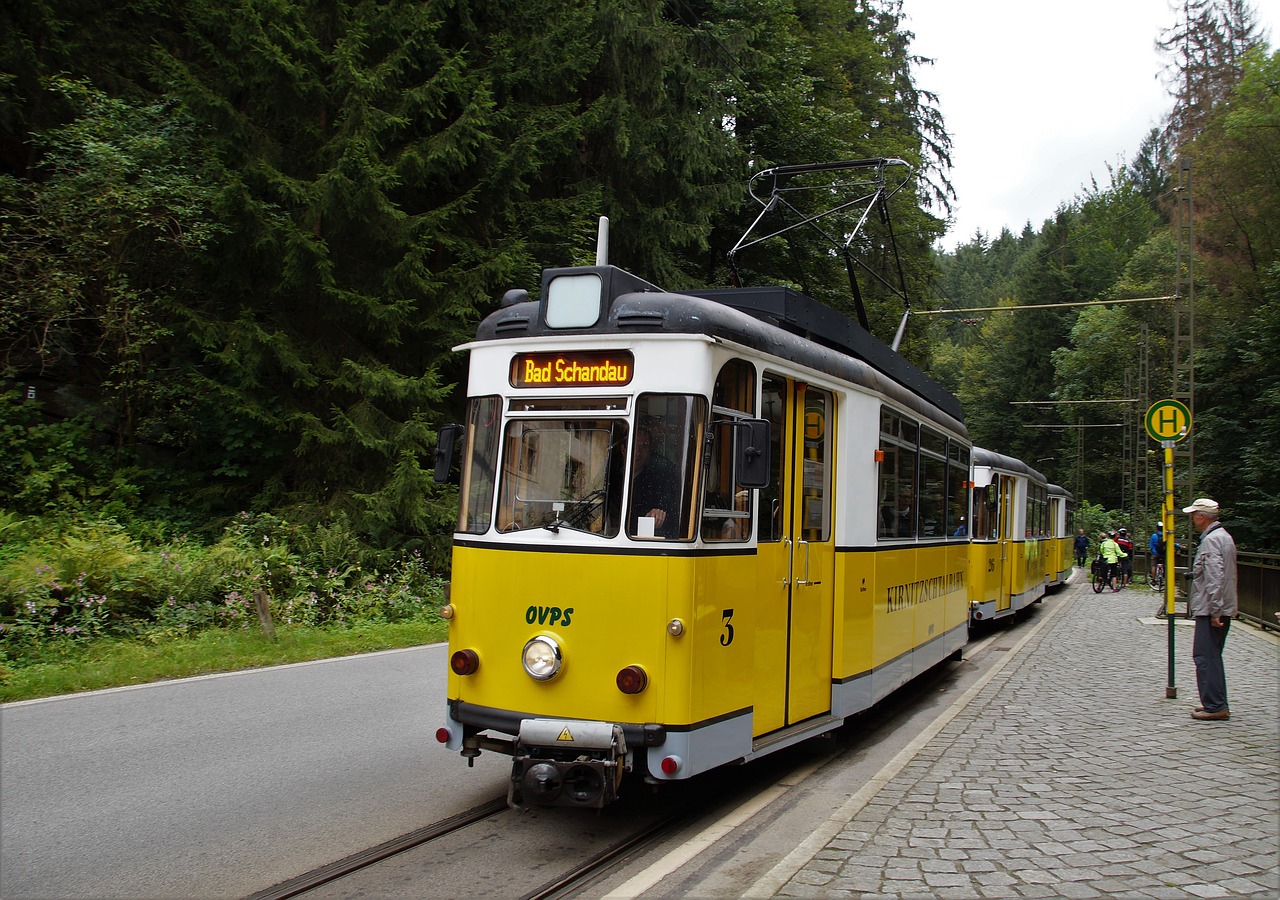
(1211, 675)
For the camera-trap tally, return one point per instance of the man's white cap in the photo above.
(1203, 505)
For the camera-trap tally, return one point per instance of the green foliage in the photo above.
(67, 667)
(97, 245)
(45, 466)
(81, 580)
(252, 249)
(1095, 519)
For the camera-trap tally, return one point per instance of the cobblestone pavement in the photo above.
(1069, 774)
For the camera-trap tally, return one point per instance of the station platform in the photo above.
(1066, 772)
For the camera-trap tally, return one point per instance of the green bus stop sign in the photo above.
(1168, 420)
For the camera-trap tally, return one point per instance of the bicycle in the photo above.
(1103, 576)
(1155, 578)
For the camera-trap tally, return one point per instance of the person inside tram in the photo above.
(654, 492)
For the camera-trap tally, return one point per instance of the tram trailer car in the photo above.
(806, 558)
(1009, 548)
(1061, 555)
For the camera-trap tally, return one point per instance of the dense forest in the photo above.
(238, 240)
(1062, 369)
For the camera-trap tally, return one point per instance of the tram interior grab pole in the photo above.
(1170, 578)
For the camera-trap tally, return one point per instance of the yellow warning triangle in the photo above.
(565, 735)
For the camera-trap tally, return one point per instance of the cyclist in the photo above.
(1110, 551)
(1126, 561)
(1156, 544)
(1156, 547)
(1157, 554)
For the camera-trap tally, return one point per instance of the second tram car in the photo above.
(1008, 549)
(1060, 557)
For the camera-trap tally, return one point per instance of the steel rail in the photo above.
(309, 881)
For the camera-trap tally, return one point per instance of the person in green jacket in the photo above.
(1110, 551)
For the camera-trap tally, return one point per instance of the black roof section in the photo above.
(802, 315)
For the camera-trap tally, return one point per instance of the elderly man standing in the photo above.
(1213, 603)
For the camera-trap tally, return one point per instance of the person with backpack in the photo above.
(1111, 555)
(1126, 561)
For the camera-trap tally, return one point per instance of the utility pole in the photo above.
(1128, 455)
(1142, 463)
(1184, 331)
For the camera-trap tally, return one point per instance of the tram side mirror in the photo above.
(752, 464)
(445, 441)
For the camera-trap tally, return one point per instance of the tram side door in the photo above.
(796, 553)
(1006, 543)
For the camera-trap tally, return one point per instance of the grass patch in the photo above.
(166, 654)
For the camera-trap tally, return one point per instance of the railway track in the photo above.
(326, 880)
(356, 862)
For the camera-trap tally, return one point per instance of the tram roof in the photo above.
(990, 458)
(777, 321)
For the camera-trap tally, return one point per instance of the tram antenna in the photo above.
(602, 242)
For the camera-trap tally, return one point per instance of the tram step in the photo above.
(793, 733)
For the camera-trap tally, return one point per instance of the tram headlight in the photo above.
(541, 658)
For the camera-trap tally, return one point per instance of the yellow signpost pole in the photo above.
(1170, 581)
(1168, 421)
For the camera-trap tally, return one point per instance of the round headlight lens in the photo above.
(541, 658)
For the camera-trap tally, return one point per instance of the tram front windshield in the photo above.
(573, 472)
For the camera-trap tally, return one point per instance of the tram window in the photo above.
(774, 495)
(957, 492)
(479, 465)
(981, 519)
(1036, 495)
(665, 465)
(563, 473)
(933, 483)
(986, 511)
(726, 508)
(897, 479)
(819, 422)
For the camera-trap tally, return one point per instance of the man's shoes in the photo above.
(1204, 715)
(1198, 709)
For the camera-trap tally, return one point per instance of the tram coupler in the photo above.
(567, 763)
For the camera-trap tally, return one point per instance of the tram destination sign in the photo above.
(580, 368)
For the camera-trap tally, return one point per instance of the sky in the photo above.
(1039, 98)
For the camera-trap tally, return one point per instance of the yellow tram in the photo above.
(690, 534)
(1060, 557)
(1009, 551)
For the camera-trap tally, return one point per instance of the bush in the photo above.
(68, 583)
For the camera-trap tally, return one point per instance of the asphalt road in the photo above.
(224, 785)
